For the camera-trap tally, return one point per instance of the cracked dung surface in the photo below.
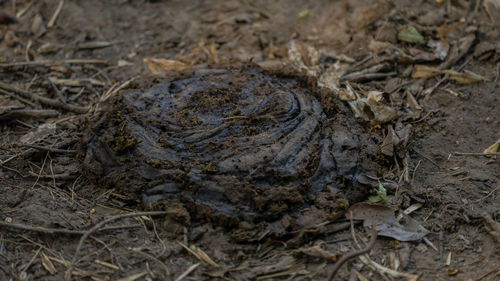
(237, 143)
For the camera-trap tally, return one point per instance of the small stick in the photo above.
(18, 98)
(56, 14)
(64, 176)
(53, 63)
(354, 254)
(3, 162)
(50, 149)
(475, 154)
(60, 230)
(495, 226)
(44, 100)
(67, 275)
(28, 113)
(187, 272)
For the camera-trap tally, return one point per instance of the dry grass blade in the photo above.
(47, 264)
(60, 230)
(114, 90)
(133, 277)
(187, 272)
(162, 264)
(106, 264)
(199, 253)
(53, 19)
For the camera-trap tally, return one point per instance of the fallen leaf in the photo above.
(440, 48)
(422, 55)
(407, 229)
(318, 251)
(39, 133)
(157, 66)
(465, 77)
(375, 111)
(38, 26)
(387, 147)
(424, 71)
(493, 148)
(410, 34)
(415, 107)
(303, 15)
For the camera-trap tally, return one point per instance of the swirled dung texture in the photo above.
(235, 142)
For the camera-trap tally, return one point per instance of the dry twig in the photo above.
(60, 230)
(49, 63)
(475, 154)
(187, 272)
(56, 14)
(44, 100)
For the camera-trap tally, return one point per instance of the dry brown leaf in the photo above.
(157, 66)
(387, 224)
(424, 71)
(417, 109)
(199, 253)
(318, 251)
(387, 147)
(493, 148)
(377, 112)
(466, 77)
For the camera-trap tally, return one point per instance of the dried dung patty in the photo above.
(238, 143)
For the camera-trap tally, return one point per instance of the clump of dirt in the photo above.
(232, 143)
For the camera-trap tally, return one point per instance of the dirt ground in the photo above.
(59, 67)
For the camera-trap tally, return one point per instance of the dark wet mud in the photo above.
(231, 144)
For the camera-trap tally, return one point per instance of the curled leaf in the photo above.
(157, 66)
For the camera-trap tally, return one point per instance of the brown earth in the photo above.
(44, 185)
